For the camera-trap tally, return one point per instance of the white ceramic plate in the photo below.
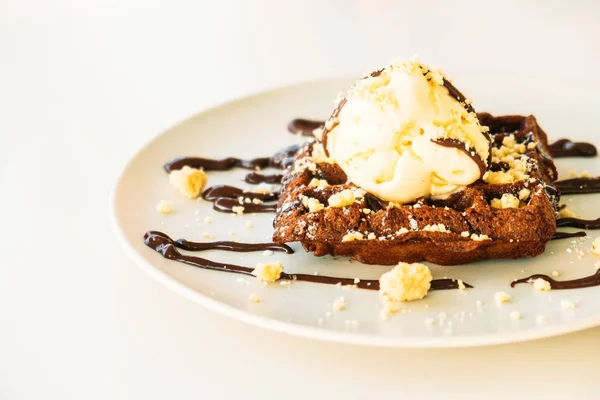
(256, 126)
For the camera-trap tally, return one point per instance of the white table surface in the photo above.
(84, 84)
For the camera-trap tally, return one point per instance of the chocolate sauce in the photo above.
(254, 178)
(333, 117)
(567, 148)
(232, 192)
(164, 245)
(226, 205)
(567, 235)
(458, 96)
(230, 246)
(280, 160)
(304, 127)
(579, 223)
(578, 185)
(588, 281)
(374, 202)
(457, 144)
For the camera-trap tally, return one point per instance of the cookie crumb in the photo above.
(239, 210)
(567, 305)
(254, 298)
(542, 285)
(340, 304)
(596, 246)
(164, 207)
(501, 298)
(269, 272)
(188, 181)
(405, 282)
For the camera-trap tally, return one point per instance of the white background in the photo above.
(84, 84)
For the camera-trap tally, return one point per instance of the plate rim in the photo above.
(306, 331)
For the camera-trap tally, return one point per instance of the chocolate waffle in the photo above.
(509, 213)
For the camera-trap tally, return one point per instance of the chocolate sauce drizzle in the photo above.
(232, 192)
(567, 148)
(457, 144)
(223, 204)
(567, 235)
(280, 160)
(458, 96)
(304, 127)
(167, 247)
(229, 246)
(579, 223)
(588, 281)
(225, 198)
(254, 178)
(578, 185)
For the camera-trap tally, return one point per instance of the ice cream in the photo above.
(405, 132)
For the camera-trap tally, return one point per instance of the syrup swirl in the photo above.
(254, 178)
(587, 281)
(225, 198)
(469, 151)
(167, 247)
(304, 127)
(279, 160)
(232, 192)
(567, 235)
(229, 246)
(568, 148)
(226, 205)
(578, 185)
(579, 223)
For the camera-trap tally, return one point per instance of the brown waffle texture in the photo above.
(510, 213)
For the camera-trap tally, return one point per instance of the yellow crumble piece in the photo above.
(351, 236)
(239, 210)
(596, 246)
(506, 201)
(566, 213)
(318, 183)
(188, 181)
(340, 304)
(501, 297)
(341, 199)
(524, 194)
(479, 238)
(405, 282)
(312, 204)
(269, 272)
(567, 305)
(435, 228)
(542, 285)
(262, 188)
(254, 298)
(164, 207)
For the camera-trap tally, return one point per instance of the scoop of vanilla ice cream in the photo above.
(383, 135)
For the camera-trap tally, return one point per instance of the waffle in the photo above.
(509, 213)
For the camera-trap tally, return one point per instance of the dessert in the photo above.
(419, 176)
(403, 170)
